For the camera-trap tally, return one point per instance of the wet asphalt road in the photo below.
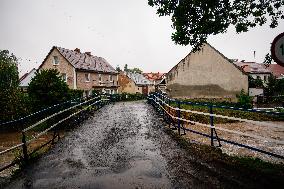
(120, 146)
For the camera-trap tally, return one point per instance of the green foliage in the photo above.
(47, 88)
(255, 83)
(75, 93)
(134, 70)
(244, 100)
(267, 60)
(118, 68)
(128, 97)
(9, 83)
(125, 68)
(274, 86)
(193, 21)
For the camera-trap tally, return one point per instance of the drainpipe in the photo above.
(74, 78)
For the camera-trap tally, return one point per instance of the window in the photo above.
(110, 78)
(87, 77)
(55, 60)
(100, 77)
(265, 78)
(64, 77)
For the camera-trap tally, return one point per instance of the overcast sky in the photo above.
(121, 31)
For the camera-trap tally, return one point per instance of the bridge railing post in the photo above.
(211, 124)
(179, 116)
(25, 148)
(169, 110)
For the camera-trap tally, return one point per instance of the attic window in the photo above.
(87, 77)
(55, 60)
(110, 78)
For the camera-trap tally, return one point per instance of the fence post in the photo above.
(179, 117)
(169, 110)
(25, 149)
(212, 125)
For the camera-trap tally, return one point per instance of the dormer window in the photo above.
(87, 77)
(55, 60)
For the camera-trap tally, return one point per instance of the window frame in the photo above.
(55, 60)
(87, 77)
(65, 77)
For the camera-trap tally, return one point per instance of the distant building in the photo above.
(206, 74)
(158, 80)
(82, 70)
(276, 70)
(134, 83)
(255, 70)
(26, 79)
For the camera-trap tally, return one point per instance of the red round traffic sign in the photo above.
(277, 49)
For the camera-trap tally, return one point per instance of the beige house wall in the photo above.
(63, 67)
(126, 85)
(206, 74)
(94, 82)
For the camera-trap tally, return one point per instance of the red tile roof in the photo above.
(154, 76)
(252, 67)
(276, 69)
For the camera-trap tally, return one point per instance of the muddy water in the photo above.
(121, 146)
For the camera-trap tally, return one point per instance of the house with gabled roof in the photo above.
(158, 80)
(26, 79)
(82, 71)
(134, 83)
(206, 73)
(255, 70)
(276, 70)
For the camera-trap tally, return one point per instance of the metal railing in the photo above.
(80, 106)
(165, 106)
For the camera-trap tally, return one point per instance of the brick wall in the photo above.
(62, 67)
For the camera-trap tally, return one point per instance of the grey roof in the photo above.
(26, 79)
(139, 79)
(85, 61)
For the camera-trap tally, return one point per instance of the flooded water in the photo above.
(122, 146)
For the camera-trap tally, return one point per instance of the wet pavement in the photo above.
(121, 146)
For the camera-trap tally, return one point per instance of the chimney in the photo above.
(88, 53)
(77, 50)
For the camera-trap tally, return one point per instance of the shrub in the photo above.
(244, 100)
(47, 88)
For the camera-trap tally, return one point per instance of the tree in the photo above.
(47, 88)
(193, 21)
(118, 68)
(244, 100)
(135, 70)
(9, 83)
(126, 68)
(270, 88)
(254, 83)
